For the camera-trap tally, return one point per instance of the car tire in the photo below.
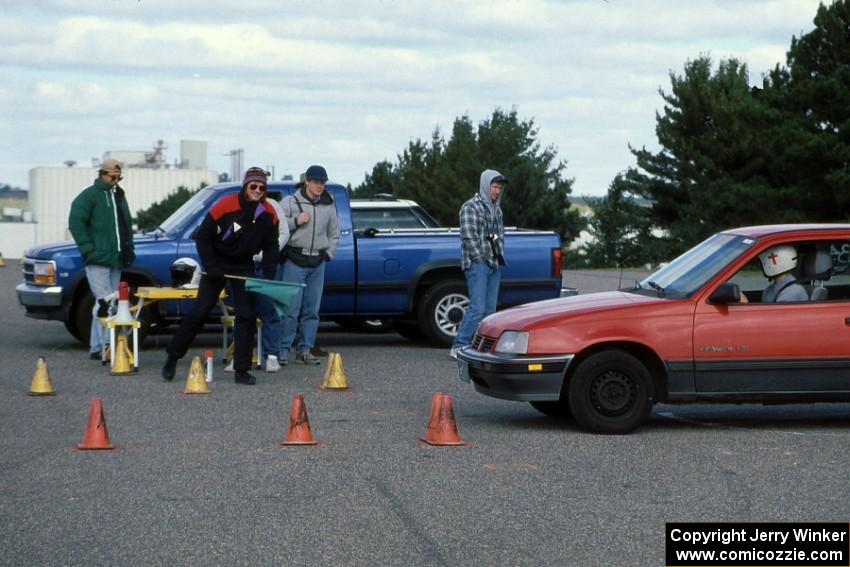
(611, 392)
(441, 311)
(81, 317)
(560, 409)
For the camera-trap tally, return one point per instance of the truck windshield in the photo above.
(690, 271)
(180, 219)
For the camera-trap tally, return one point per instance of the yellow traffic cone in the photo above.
(334, 374)
(196, 382)
(2, 261)
(41, 385)
(123, 363)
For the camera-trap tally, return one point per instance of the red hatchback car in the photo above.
(698, 330)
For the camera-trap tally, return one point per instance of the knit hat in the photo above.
(255, 174)
(316, 173)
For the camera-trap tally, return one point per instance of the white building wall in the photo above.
(52, 189)
(16, 238)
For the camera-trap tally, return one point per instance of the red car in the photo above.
(701, 329)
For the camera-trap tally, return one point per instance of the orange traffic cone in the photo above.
(298, 432)
(96, 435)
(442, 429)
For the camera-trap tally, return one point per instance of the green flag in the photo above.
(281, 293)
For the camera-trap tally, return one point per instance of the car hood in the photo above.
(47, 251)
(543, 314)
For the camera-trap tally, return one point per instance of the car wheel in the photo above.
(441, 311)
(611, 392)
(559, 409)
(81, 317)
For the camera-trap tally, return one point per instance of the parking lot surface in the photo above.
(198, 480)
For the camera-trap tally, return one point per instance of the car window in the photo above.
(820, 264)
(690, 271)
(385, 218)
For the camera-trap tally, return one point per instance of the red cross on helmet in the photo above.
(778, 260)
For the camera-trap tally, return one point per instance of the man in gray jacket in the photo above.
(314, 235)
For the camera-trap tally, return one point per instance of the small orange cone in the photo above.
(442, 429)
(298, 432)
(96, 436)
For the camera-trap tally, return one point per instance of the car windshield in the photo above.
(690, 271)
(179, 220)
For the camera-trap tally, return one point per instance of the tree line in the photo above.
(731, 155)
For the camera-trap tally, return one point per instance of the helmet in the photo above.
(778, 260)
(185, 273)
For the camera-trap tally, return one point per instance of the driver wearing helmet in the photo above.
(777, 263)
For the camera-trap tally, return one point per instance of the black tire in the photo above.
(441, 311)
(611, 392)
(71, 327)
(81, 316)
(560, 409)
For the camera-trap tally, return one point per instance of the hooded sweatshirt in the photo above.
(319, 235)
(233, 230)
(482, 230)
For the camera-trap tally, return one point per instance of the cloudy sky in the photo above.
(348, 83)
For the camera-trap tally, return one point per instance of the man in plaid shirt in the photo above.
(482, 238)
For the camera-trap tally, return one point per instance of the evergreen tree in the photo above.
(440, 175)
(153, 216)
(812, 145)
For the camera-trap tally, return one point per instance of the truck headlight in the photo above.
(44, 273)
(513, 342)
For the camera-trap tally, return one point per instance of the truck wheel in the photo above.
(611, 392)
(81, 317)
(559, 409)
(71, 327)
(441, 311)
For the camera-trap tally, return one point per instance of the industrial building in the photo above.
(148, 178)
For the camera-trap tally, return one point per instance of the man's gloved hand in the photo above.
(215, 273)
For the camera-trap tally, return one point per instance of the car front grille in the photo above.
(482, 343)
(29, 270)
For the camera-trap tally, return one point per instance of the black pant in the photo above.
(244, 329)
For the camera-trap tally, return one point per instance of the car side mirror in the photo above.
(726, 293)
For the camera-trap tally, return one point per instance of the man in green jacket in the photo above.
(102, 228)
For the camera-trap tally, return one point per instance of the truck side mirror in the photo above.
(726, 293)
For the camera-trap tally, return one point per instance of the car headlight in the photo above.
(44, 273)
(513, 342)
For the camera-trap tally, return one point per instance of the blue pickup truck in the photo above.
(410, 276)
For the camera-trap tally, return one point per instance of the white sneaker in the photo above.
(453, 352)
(272, 364)
(229, 367)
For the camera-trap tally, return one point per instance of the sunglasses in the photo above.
(256, 187)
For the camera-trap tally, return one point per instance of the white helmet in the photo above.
(185, 273)
(778, 260)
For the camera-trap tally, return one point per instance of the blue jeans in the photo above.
(272, 323)
(103, 280)
(303, 312)
(483, 284)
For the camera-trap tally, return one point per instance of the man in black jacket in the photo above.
(236, 227)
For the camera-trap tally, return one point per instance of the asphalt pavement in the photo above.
(199, 480)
